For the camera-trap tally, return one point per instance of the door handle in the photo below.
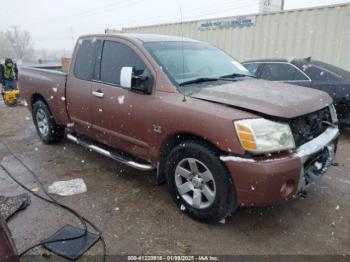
(98, 94)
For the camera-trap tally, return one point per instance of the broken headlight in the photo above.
(264, 136)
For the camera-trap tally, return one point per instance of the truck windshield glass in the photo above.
(189, 61)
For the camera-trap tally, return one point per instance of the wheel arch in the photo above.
(174, 139)
(57, 132)
(186, 143)
(37, 97)
(171, 142)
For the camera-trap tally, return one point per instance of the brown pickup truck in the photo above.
(216, 135)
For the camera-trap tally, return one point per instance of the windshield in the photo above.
(187, 61)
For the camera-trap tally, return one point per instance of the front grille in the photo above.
(307, 127)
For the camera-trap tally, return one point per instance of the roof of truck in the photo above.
(156, 37)
(148, 37)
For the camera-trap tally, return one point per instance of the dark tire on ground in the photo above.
(48, 131)
(225, 201)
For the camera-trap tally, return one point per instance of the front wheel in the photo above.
(200, 183)
(48, 131)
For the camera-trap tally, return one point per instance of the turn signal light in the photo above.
(246, 137)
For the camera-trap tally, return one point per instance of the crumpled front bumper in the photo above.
(317, 155)
(276, 180)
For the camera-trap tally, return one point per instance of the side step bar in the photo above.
(114, 155)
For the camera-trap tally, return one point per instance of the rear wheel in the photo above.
(200, 183)
(48, 131)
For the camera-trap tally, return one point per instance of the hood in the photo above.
(269, 98)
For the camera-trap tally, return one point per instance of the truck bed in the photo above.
(48, 82)
(51, 66)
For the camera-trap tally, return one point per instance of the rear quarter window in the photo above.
(86, 58)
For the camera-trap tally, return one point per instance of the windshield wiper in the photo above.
(199, 80)
(234, 75)
(208, 79)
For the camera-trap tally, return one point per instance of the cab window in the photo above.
(115, 56)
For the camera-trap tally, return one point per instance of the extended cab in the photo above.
(219, 137)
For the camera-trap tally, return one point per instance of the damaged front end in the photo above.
(316, 136)
(317, 156)
(274, 179)
(317, 165)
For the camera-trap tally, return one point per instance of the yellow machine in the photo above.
(10, 97)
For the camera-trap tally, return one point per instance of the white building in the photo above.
(320, 32)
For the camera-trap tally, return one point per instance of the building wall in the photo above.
(322, 33)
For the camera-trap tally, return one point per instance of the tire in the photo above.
(217, 184)
(48, 131)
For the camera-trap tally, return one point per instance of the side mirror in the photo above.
(139, 80)
(126, 76)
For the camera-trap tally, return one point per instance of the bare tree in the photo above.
(16, 44)
(5, 50)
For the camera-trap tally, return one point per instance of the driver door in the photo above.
(119, 115)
